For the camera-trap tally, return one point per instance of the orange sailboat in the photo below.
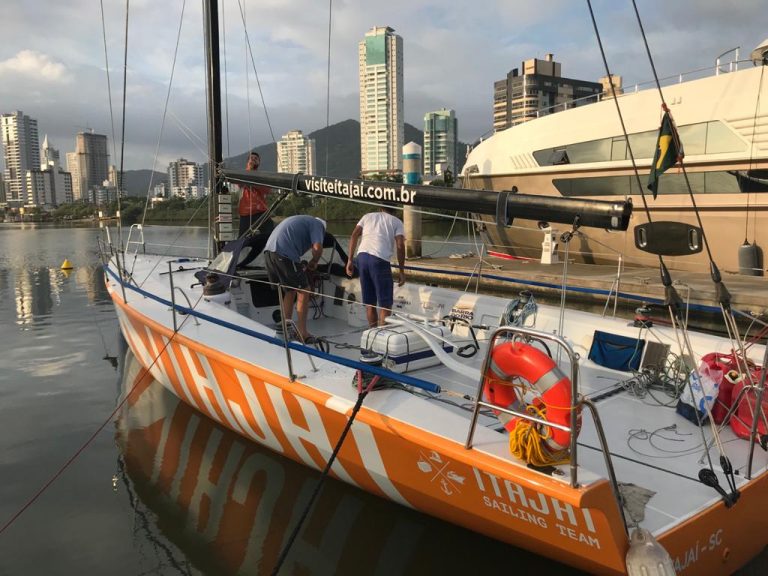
(545, 427)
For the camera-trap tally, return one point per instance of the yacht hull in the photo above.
(727, 220)
(583, 152)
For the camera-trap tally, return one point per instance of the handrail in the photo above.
(576, 403)
(139, 242)
(574, 363)
(733, 66)
(173, 295)
(607, 457)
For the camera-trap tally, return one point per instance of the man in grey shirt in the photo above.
(282, 257)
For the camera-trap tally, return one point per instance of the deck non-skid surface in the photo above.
(652, 446)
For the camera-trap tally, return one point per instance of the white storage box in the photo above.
(403, 348)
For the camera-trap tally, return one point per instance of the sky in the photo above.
(53, 61)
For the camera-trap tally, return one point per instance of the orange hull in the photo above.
(392, 459)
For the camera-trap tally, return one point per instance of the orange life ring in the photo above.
(517, 359)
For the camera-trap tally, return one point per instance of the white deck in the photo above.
(667, 465)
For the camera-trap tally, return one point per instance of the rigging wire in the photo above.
(194, 138)
(751, 159)
(172, 245)
(165, 112)
(673, 299)
(255, 72)
(723, 296)
(248, 89)
(122, 135)
(226, 76)
(109, 83)
(328, 89)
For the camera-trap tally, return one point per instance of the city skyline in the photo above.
(454, 54)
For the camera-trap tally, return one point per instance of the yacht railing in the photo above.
(577, 402)
(719, 68)
(732, 66)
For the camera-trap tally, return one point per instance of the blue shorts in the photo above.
(375, 280)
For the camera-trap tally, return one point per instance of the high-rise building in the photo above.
(185, 179)
(22, 153)
(88, 164)
(606, 82)
(50, 185)
(73, 167)
(537, 91)
(50, 155)
(115, 178)
(296, 153)
(381, 101)
(441, 129)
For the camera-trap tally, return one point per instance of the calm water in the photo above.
(162, 490)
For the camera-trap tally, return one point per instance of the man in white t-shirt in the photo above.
(380, 232)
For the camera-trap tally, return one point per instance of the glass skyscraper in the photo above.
(440, 142)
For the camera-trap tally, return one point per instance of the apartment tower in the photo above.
(88, 164)
(296, 153)
(49, 184)
(22, 153)
(185, 179)
(441, 142)
(539, 90)
(381, 102)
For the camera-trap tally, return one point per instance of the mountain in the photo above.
(338, 145)
(136, 182)
(340, 142)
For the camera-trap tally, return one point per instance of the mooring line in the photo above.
(361, 396)
(93, 436)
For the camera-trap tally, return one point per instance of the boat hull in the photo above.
(385, 457)
(727, 220)
(422, 470)
(582, 153)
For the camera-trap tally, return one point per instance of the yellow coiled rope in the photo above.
(527, 442)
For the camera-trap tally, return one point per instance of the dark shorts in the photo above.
(246, 221)
(285, 271)
(375, 280)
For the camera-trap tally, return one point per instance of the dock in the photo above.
(591, 284)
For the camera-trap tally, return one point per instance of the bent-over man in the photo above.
(282, 257)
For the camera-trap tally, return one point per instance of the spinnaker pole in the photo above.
(504, 206)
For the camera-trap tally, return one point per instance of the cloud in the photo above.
(35, 65)
(454, 51)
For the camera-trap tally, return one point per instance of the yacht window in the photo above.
(594, 151)
(560, 157)
(720, 182)
(703, 138)
(721, 139)
(619, 149)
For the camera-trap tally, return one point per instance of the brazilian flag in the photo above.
(669, 151)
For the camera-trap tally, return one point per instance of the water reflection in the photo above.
(30, 278)
(229, 505)
(33, 295)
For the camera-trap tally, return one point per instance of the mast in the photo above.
(213, 94)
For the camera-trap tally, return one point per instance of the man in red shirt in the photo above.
(253, 201)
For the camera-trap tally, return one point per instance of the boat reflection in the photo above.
(229, 505)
